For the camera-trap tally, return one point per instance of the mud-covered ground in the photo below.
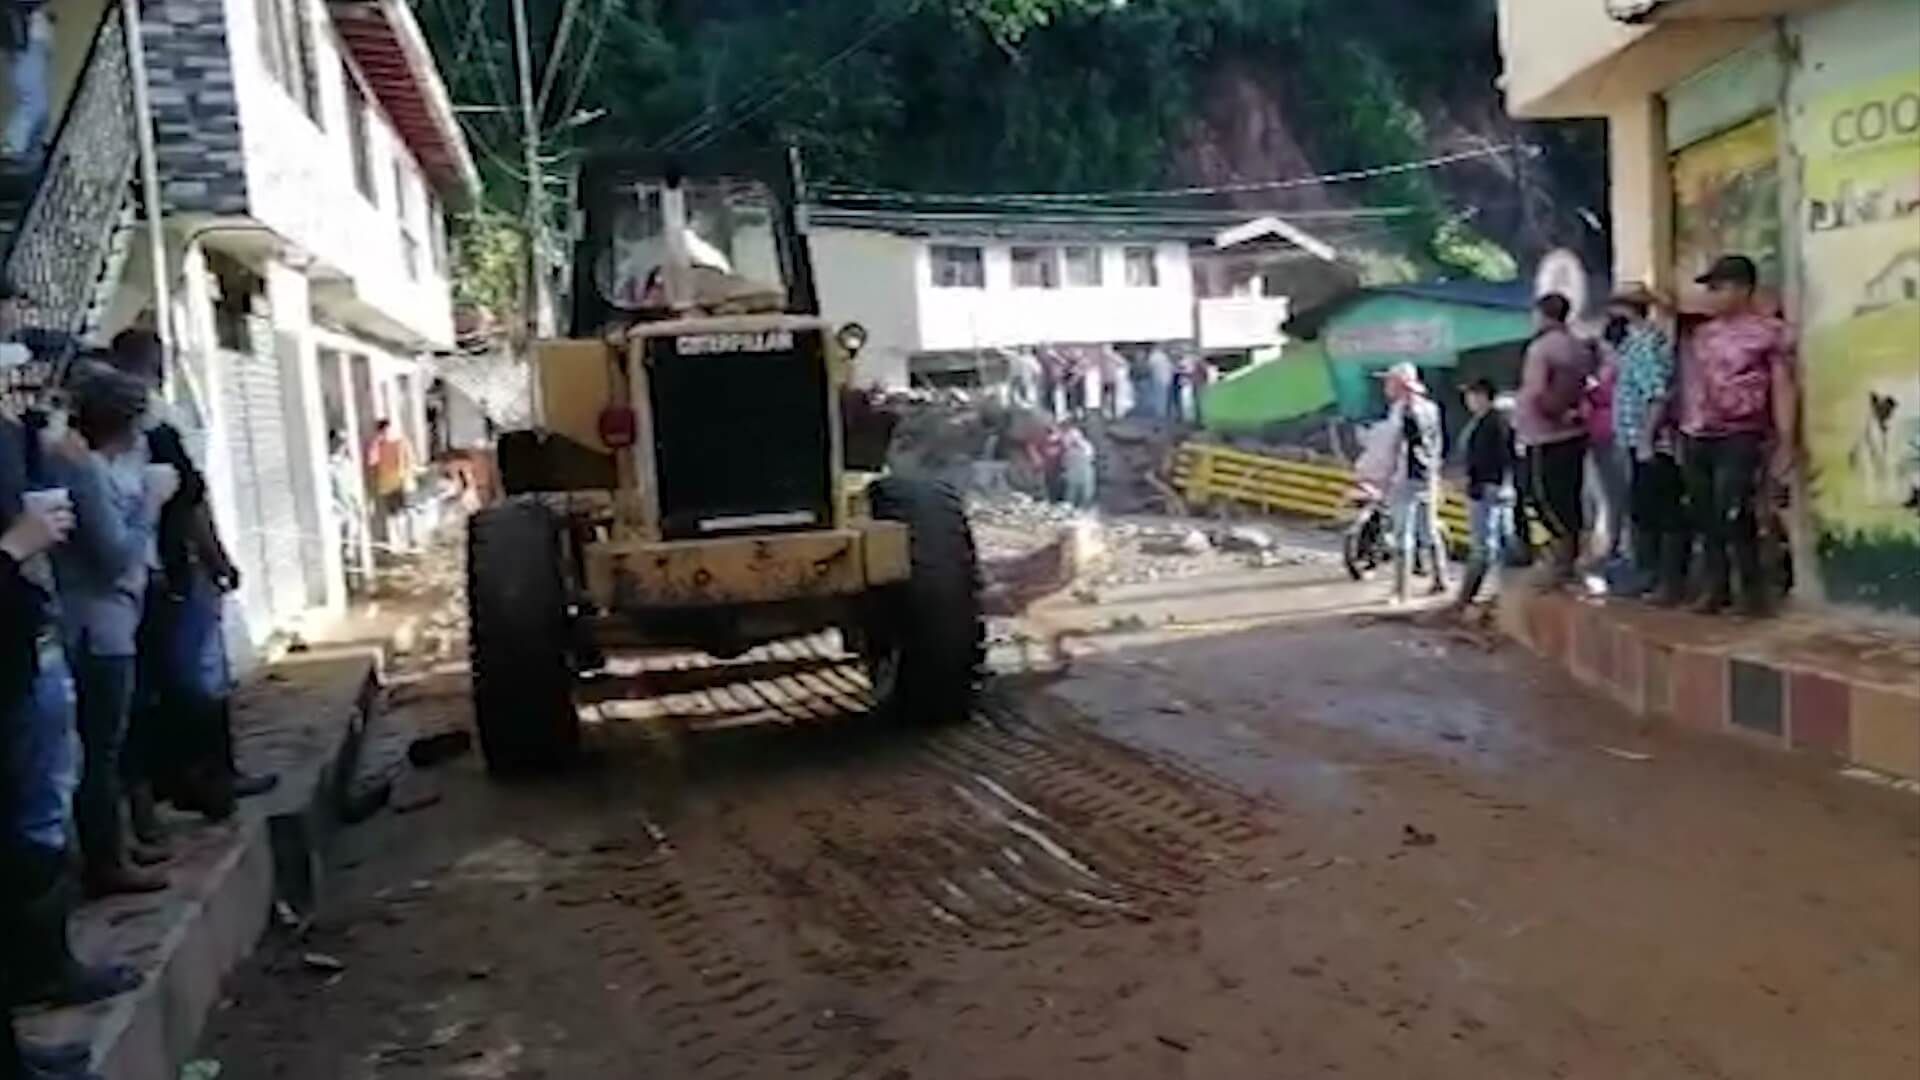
(1336, 848)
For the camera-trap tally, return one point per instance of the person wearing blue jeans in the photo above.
(26, 37)
(37, 965)
(180, 740)
(1488, 449)
(102, 574)
(1413, 492)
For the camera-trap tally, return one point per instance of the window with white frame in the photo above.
(957, 266)
(285, 32)
(403, 213)
(1143, 267)
(1083, 266)
(437, 232)
(1036, 268)
(357, 136)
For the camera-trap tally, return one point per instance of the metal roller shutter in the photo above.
(268, 548)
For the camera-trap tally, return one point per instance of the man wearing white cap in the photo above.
(1414, 495)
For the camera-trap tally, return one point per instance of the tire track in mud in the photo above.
(773, 895)
(700, 958)
(1000, 829)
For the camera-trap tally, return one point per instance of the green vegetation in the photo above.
(1019, 95)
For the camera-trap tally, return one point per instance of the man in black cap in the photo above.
(1738, 412)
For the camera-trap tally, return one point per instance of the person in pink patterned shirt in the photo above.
(1737, 412)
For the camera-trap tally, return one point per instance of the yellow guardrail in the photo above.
(1205, 474)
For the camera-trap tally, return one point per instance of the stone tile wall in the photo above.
(196, 113)
(1727, 677)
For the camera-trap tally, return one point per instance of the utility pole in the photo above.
(535, 295)
(149, 178)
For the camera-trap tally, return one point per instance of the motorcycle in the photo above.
(1368, 542)
(1367, 545)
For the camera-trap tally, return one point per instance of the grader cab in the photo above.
(699, 477)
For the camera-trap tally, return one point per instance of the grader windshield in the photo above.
(728, 233)
(738, 249)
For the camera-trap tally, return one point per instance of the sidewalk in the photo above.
(1816, 682)
(301, 719)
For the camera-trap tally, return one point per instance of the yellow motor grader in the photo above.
(699, 475)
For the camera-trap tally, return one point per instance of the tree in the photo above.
(999, 95)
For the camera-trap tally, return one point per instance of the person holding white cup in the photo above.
(37, 965)
(117, 495)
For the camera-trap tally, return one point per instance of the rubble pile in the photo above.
(1142, 532)
(1136, 549)
(1136, 466)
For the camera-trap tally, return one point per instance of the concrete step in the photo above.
(303, 719)
(1819, 681)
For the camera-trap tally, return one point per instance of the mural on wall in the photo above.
(1861, 344)
(1726, 199)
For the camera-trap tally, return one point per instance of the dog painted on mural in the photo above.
(1873, 455)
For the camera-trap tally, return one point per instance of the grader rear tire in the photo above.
(926, 646)
(518, 631)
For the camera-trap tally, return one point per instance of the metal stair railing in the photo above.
(68, 237)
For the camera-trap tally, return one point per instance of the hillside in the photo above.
(1063, 95)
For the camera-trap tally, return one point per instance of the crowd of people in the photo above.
(1079, 381)
(1677, 427)
(114, 686)
(1067, 388)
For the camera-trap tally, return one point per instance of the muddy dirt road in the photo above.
(1341, 848)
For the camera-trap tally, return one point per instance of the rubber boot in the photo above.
(1471, 582)
(1440, 570)
(42, 969)
(1756, 597)
(150, 835)
(62, 1061)
(204, 781)
(1645, 576)
(240, 785)
(1676, 566)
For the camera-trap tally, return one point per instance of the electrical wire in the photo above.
(584, 73)
(569, 10)
(701, 134)
(1345, 177)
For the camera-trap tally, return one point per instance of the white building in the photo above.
(306, 152)
(939, 291)
(946, 290)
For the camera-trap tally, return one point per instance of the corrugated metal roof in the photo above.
(1198, 226)
(1504, 295)
(1515, 295)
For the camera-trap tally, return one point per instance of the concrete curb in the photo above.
(1789, 685)
(305, 721)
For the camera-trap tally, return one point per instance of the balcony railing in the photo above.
(70, 231)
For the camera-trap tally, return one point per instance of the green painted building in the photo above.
(1271, 390)
(1452, 331)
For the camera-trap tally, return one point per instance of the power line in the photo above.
(692, 136)
(823, 69)
(584, 73)
(1346, 177)
(691, 127)
(568, 11)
